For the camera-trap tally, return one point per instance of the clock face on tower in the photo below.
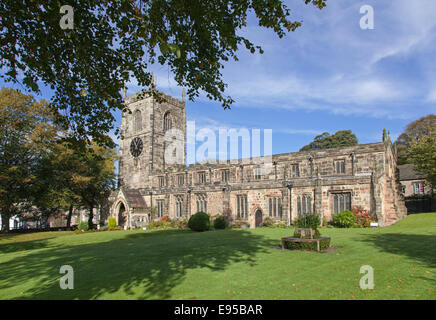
(136, 147)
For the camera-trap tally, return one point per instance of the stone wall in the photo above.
(368, 173)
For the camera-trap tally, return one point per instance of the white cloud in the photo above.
(331, 64)
(432, 95)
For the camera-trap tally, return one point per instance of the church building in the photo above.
(321, 181)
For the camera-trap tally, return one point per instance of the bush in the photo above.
(267, 222)
(165, 219)
(83, 226)
(219, 222)
(281, 224)
(363, 218)
(181, 224)
(307, 236)
(239, 224)
(311, 246)
(165, 225)
(199, 222)
(344, 219)
(152, 225)
(112, 223)
(309, 220)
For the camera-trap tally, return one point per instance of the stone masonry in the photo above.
(320, 181)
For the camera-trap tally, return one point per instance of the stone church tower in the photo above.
(325, 181)
(149, 129)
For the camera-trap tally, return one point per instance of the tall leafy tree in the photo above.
(112, 42)
(94, 176)
(41, 171)
(24, 128)
(70, 176)
(422, 154)
(424, 126)
(343, 138)
(55, 189)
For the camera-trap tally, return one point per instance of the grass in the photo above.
(222, 264)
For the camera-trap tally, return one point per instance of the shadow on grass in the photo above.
(141, 265)
(421, 248)
(24, 245)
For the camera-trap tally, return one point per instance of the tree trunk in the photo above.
(91, 216)
(70, 214)
(5, 223)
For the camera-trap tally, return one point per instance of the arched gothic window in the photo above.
(201, 202)
(304, 205)
(138, 121)
(179, 206)
(341, 202)
(167, 121)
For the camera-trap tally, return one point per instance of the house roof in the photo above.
(407, 172)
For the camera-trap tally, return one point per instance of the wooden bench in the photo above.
(294, 239)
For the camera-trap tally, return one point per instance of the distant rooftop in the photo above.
(407, 172)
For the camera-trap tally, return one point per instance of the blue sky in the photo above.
(328, 75)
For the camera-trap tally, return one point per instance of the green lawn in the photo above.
(225, 264)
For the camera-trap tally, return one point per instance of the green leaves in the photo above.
(165, 48)
(424, 126)
(113, 38)
(342, 138)
(422, 154)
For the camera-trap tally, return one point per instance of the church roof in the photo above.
(134, 198)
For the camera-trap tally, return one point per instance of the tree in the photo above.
(424, 126)
(111, 42)
(24, 127)
(55, 188)
(343, 138)
(94, 176)
(422, 154)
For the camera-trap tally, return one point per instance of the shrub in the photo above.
(311, 246)
(83, 226)
(309, 220)
(199, 222)
(181, 224)
(281, 224)
(267, 222)
(112, 223)
(344, 219)
(239, 224)
(219, 222)
(173, 224)
(165, 219)
(307, 236)
(165, 224)
(363, 218)
(152, 225)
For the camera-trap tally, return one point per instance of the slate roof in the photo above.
(134, 198)
(407, 172)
